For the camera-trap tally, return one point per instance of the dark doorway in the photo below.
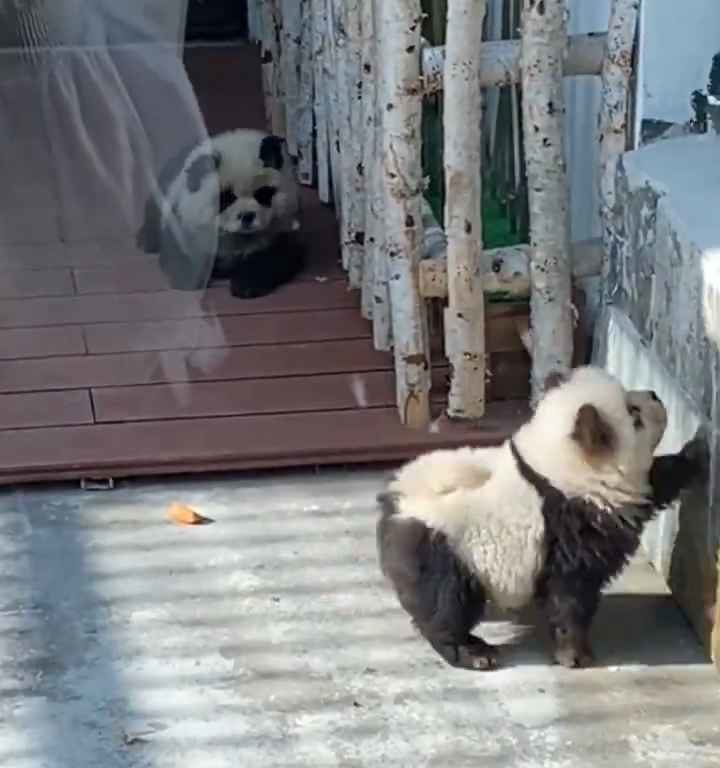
(216, 20)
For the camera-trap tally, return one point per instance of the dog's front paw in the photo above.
(574, 658)
(572, 647)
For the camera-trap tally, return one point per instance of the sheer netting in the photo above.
(94, 101)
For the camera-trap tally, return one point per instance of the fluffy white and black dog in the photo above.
(552, 515)
(228, 207)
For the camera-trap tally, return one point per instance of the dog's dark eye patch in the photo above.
(227, 198)
(264, 195)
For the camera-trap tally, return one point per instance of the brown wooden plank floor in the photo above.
(105, 371)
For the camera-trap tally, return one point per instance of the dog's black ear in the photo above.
(264, 195)
(271, 152)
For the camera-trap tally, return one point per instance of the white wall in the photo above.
(678, 40)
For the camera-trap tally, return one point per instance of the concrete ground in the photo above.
(268, 639)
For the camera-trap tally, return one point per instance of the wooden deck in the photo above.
(104, 371)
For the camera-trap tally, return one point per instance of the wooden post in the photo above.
(341, 121)
(273, 80)
(381, 312)
(304, 106)
(401, 102)
(615, 90)
(368, 74)
(544, 43)
(290, 60)
(352, 147)
(333, 80)
(465, 314)
(320, 101)
(269, 55)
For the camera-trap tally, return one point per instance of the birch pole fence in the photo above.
(381, 314)
(272, 63)
(543, 48)
(615, 90)
(401, 100)
(318, 8)
(352, 146)
(291, 35)
(368, 123)
(344, 81)
(305, 98)
(465, 313)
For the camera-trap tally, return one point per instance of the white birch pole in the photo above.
(615, 93)
(544, 42)
(334, 79)
(401, 100)
(304, 107)
(368, 61)
(279, 116)
(382, 313)
(290, 60)
(352, 149)
(465, 313)
(322, 131)
(345, 19)
(269, 55)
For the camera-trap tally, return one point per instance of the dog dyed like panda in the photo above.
(552, 516)
(227, 207)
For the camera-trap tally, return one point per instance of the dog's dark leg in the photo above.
(442, 597)
(570, 606)
(262, 272)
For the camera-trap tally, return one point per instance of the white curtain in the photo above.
(94, 98)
